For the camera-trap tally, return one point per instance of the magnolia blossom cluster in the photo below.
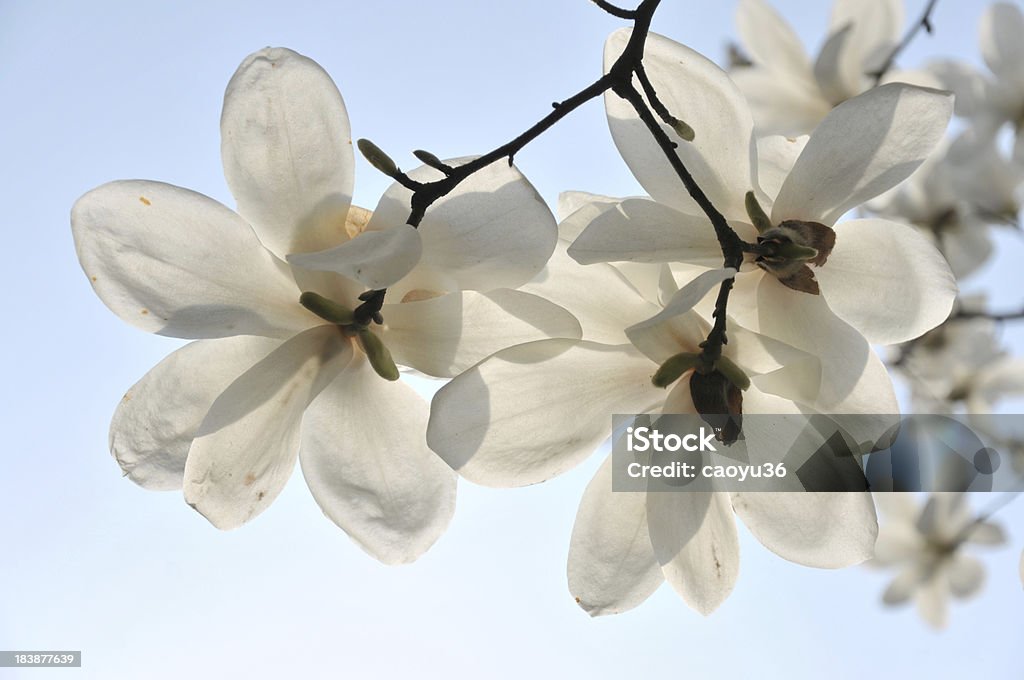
(970, 185)
(305, 309)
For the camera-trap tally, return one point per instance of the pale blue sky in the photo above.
(147, 588)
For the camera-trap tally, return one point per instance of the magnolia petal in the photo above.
(853, 379)
(864, 147)
(816, 529)
(445, 335)
(776, 156)
(612, 567)
(695, 90)
(662, 340)
(875, 27)
(944, 516)
(174, 262)
(1001, 28)
(570, 202)
(676, 328)
(287, 151)
(932, 598)
(967, 249)
(153, 426)
(376, 259)
(492, 231)
(760, 354)
(898, 508)
(768, 39)
(966, 575)
(897, 543)
(1003, 378)
(531, 412)
(986, 533)
(782, 104)
(828, 71)
(965, 81)
(687, 297)
(599, 296)
(902, 587)
(640, 230)
(246, 446)
(921, 77)
(655, 283)
(886, 280)
(368, 466)
(695, 541)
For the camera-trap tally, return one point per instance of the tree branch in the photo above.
(615, 11)
(618, 79)
(924, 22)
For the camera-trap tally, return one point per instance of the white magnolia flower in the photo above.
(269, 382)
(962, 363)
(533, 411)
(989, 103)
(825, 287)
(926, 546)
(952, 199)
(789, 94)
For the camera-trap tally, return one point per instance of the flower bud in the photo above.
(734, 373)
(430, 159)
(328, 310)
(378, 354)
(377, 157)
(674, 367)
(719, 402)
(683, 130)
(758, 217)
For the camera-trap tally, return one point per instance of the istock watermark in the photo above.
(798, 452)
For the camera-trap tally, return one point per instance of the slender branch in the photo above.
(1001, 503)
(907, 348)
(615, 11)
(426, 193)
(924, 22)
(732, 245)
(978, 314)
(652, 96)
(618, 79)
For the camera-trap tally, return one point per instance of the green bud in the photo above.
(734, 373)
(377, 157)
(378, 354)
(794, 251)
(328, 310)
(430, 159)
(683, 130)
(757, 215)
(674, 367)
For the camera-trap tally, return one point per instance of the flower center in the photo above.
(345, 319)
(786, 250)
(715, 388)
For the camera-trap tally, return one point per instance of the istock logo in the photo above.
(647, 439)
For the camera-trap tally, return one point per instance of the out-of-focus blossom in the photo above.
(990, 101)
(953, 199)
(961, 363)
(926, 546)
(790, 95)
